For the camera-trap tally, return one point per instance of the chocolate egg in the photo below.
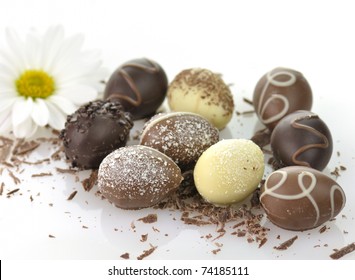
(301, 198)
(94, 131)
(135, 177)
(202, 92)
(181, 136)
(140, 85)
(229, 171)
(302, 138)
(279, 93)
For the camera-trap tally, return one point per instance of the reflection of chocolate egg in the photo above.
(140, 85)
(135, 177)
(302, 138)
(279, 93)
(94, 131)
(181, 136)
(301, 198)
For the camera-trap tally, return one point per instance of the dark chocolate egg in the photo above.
(301, 198)
(94, 131)
(279, 93)
(182, 136)
(135, 177)
(140, 85)
(302, 138)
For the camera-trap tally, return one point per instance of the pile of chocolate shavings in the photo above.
(196, 211)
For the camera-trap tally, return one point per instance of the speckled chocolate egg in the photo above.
(203, 92)
(301, 198)
(181, 136)
(135, 177)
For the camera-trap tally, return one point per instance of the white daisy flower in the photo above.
(45, 78)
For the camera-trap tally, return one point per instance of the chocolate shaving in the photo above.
(323, 229)
(216, 251)
(2, 187)
(5, 148)
(262, 242)
(248, 101)
(16, 180)
(125, 256)
(51, 236)
(245, 112)
(144, 237)
(285, 245)
(36, 162)
(71, 196)
(149, 219)
(90, 182)
(24, 147)
(262, 137)
(343, 251)
(43, 174)
(63, 170)
(12, 192)
(146, 253)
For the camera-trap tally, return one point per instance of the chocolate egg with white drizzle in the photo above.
(301, 198)
(280, 92)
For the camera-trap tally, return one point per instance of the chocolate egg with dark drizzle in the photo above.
(302, 138)
(140, 85)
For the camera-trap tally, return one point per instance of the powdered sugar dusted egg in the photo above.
(229, 171)
(137, 176)
(181, 136)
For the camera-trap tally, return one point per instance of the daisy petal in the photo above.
(40, 112)
(25, 129)
(5, 121)
(65, 104)
(7, 100)
(16, 45)
(56, 117)
(21, 110)
(78, 94)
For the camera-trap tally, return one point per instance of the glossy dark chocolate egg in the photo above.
(279, 93)
(302, 138)
(135, 177)
(301, 198)
(182, 136)
(140, 85)
(94, 131)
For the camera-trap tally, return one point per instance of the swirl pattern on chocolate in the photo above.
(140, 85)
(302, 138)
(136, 100)
(299, 198)
(280, 92)
(262, 106)
(322, 145)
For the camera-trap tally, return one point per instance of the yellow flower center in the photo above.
(35, 84)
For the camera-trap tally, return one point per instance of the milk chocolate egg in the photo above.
(301, 198)
(140, 85)
(279, 93)
(135, 177)
(181, 136)
(302, 138)
(202, 92)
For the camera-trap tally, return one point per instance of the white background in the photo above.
(240, 39)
